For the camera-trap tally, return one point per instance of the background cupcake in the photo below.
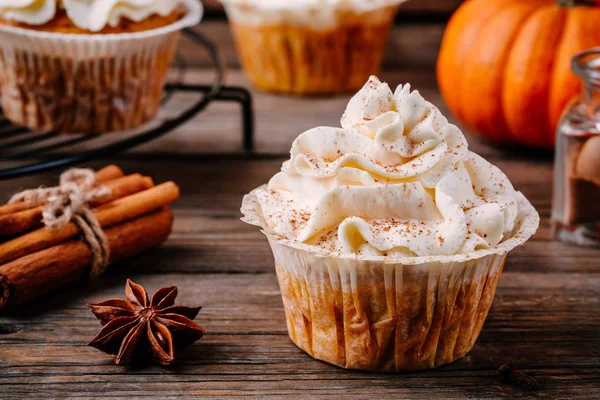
(88, 66)
(389, 235)
(310, 46)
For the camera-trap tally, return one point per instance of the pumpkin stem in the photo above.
(575, 3)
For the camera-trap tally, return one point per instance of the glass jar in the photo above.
(576, 198)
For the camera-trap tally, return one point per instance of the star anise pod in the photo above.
(137, 326)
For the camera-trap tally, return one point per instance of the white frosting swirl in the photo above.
(32, 12)
(397, 179)
(316, 13)
(92, 15)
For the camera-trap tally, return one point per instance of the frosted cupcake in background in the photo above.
(389, 235)
(309, 47)
(88, 65)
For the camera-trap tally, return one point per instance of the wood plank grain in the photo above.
(246, 350)
(544, 317)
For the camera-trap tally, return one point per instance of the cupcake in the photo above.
(79, 66)
(389, 235)
(310, 46)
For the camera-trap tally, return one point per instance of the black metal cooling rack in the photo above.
(19, 145)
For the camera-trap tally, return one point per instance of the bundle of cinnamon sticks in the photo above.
(35, 260)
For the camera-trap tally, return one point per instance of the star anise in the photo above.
(138, 326)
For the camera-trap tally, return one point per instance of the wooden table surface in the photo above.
(545, 317)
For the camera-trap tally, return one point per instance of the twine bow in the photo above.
(69, 202)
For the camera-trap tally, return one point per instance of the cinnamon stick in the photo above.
(109, 173)
(103, 175)
(45, 271)
(27, 220)
(115, 212)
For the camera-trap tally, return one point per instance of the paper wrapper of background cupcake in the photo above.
(309, 47)
(56, 78)
(389, 315)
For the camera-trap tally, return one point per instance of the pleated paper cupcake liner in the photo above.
(302, 59)
(75, 83)
(385, 314)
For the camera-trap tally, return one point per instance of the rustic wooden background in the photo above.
(545, 317)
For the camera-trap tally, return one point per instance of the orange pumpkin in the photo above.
(504, 66)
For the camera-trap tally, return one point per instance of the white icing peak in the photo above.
(396, 179)
(92, 15)
(312, 13)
